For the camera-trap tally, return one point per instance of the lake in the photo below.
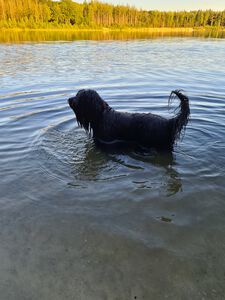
(80, 223)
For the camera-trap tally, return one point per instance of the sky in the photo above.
(171, 4)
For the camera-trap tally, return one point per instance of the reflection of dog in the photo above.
(110, 126)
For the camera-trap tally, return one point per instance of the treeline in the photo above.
(94, 14)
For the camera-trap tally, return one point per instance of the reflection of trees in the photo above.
(42, 36)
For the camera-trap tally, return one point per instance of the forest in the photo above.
(96, 14)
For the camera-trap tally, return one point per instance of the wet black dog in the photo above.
(145, 129)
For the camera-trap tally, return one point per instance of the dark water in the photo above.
(77, 223)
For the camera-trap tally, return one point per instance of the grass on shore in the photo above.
(124, 29)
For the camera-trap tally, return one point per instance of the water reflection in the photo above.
(17, 36)
(113, 232)
(166, 160)
(159, 170)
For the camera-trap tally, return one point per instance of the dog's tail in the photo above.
(180, 121)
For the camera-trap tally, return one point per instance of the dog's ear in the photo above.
(88, 108)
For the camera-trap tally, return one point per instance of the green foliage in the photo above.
(95, 14)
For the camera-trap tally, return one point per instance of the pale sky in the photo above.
(171, 4)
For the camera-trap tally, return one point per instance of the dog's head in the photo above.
(88, 107)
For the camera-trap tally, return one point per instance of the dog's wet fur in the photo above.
(110, 127)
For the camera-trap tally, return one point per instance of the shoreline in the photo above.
(18, 35)
(125, 29)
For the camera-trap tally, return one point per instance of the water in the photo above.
(77, 223)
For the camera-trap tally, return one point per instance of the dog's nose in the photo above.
(70, 101)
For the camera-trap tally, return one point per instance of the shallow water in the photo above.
(78, 223)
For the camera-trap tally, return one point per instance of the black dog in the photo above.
(110, 126)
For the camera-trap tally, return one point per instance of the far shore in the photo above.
(125, 29)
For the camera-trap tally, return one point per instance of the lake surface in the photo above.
(78, 223)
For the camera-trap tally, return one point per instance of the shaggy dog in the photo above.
(144, 129)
